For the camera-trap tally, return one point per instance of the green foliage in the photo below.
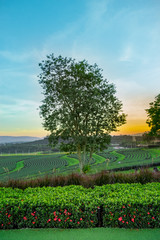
(121, 205)
(80, 108)
(86, 168)
(153, 120)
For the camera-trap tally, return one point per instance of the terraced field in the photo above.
(27, 166)
(131, 158)
(24, 166)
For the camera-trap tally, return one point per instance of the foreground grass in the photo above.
(81, 234)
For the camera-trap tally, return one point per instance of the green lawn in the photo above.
(81, 234)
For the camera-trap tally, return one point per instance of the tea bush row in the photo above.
(117, 205)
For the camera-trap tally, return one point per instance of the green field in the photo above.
(17, 166)
(81, 234)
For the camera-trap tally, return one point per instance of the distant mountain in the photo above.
(10, 139)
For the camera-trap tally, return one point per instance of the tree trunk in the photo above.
(80, 158)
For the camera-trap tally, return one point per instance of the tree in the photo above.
(153, 114)
(80, 108)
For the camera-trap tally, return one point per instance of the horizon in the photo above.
(121, 37)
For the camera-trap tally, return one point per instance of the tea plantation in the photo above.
(33, 165)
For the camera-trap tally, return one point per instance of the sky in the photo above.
(121, 36)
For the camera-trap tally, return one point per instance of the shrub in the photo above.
(116, 205)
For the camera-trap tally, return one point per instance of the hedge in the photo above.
(117, 205)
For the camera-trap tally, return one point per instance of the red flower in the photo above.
(35, 217)
(48, 220)
(92, 221)
(24, 218)
(152, 217)
(148, 213)
(81, 219)
(123, 206)
(9, 216)
(126, 222)
(132, 219)
(120, 219)
(124, 215)
(70, 220)
(2, 224)
(55, 219)
(148, 223)
(33, 222)
(134, 216)
(78, 222)
(32, 214)
(59, 219)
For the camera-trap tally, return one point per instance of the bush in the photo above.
(116, 205)
(98, 179)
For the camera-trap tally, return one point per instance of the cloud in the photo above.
(10, 107)
(127, 54)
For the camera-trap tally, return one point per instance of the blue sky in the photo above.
(121, 36)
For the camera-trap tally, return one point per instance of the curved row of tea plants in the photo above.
(128, 158)
(117, 205)
(31, 166)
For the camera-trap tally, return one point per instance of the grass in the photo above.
(81, 234)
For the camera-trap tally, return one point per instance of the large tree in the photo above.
(153, 114)
(80, 108)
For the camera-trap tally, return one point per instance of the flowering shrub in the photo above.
(118, 205)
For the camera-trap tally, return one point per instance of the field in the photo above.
(81, 234)
(18, 166)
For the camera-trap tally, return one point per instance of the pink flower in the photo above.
(25, 218)
(48, 220)
(148, 223)
(2, 224)
(59, 219)
(9, 216)
(120, 219)
(134, 216)
(70, 220)
(126, 222)
(55, 219)
(152, 217)
(81, 219)
(132, 219)
(123, 206)
(33, 222)
(78, 222)
(32, 214)
(148, 213)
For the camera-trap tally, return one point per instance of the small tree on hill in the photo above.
(80, 107)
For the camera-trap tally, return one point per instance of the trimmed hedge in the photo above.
(118, 205)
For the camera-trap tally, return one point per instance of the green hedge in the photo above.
(117, 205)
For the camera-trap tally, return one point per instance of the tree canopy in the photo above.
(153, 114)
(80, 108)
